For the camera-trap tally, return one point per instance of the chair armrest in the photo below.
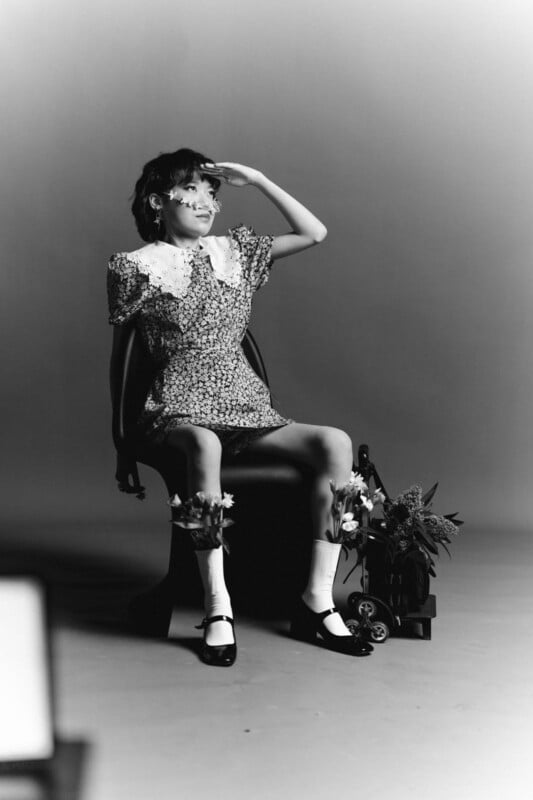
(131, 374)
(253, 354)
(118, 371)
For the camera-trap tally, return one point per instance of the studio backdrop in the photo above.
(405, 125)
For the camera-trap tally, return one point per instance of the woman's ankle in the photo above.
(216, 603)
(317, 601)
(219, 633)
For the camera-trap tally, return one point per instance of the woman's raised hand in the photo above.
(233, 174)
(306, 229)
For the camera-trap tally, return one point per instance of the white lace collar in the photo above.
(169, 267)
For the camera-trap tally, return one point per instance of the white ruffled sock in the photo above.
(216, 597)
(318, 594)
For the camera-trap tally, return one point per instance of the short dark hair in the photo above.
(160, 175)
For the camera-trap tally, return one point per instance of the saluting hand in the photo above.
(233, 174)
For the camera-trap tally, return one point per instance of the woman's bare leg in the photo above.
(328, 451)
(203, 453)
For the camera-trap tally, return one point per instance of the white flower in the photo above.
(350, 525)
(367, 503)
(227, 500)
(378, 497)
(174, 501)
(348, 516)
(357, 481)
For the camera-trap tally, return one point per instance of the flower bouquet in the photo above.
(408, 521)
(396, 547)
(408, 536)
(203, 516)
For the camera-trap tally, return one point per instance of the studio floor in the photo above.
(440, 719)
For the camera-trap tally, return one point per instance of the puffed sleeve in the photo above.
(256, 251)
(127, 288)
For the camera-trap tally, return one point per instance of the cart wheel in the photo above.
(367, 608)
(379, 632)
(357, 601)
(353, 625)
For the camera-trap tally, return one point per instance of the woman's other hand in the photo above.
(233, 174)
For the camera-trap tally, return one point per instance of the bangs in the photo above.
(183, 173)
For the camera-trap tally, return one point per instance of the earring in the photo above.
(157, 218)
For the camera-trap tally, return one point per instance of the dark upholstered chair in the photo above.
(270, 541)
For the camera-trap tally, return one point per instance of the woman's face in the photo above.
(189, 209)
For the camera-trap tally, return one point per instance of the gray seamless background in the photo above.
(405, 125)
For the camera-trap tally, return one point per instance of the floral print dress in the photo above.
(192, 308)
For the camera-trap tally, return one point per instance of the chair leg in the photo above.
(150, 612)
(426, 629)
(182, 576)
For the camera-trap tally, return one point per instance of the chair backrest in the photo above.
(131, 374)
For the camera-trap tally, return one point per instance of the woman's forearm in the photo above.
(301, 220)
(307, 230)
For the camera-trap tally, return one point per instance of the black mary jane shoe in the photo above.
(307, 625)
(222, 655)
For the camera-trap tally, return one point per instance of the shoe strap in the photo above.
(218, 618)
(323, 614)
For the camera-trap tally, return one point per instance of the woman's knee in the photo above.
(197, 443)
(333, 447)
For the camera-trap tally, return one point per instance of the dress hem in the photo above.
(234, 439)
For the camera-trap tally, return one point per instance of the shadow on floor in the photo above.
(61, 779)
(92, 590)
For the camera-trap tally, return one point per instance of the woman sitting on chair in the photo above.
(192, 295)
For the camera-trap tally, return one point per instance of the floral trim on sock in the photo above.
(203, 516)
(346, 507)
